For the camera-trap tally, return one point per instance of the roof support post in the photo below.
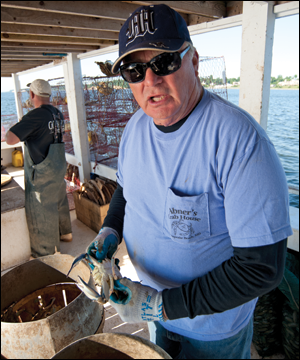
(256, 58)
(17, 89)
(76, 108)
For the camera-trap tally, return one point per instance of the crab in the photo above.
(104, 273)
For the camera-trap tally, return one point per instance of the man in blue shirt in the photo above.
(202, 199)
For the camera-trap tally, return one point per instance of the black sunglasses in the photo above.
(162, 65)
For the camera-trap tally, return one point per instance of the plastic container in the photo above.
(17, 158)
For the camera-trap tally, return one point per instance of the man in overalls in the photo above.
(46, 202)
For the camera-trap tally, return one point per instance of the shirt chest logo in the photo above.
(182, 222)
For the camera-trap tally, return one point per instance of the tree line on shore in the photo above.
(280, 78)
(233, 81)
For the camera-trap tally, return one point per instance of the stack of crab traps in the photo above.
(92, 201)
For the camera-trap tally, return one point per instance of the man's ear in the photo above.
(195, 61)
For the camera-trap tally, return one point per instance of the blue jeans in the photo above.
(182, 347)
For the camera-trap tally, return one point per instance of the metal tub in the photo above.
(112, 346)
(42, 339)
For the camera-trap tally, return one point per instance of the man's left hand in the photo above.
(140, 303)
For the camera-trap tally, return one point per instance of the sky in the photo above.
(225, 43)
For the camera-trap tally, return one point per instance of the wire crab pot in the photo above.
(109, 104)
(212, 73)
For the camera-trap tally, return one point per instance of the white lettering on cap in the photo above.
(140, 24)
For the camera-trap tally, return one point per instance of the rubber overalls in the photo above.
(46, 202)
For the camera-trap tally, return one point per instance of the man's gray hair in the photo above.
(191, 49)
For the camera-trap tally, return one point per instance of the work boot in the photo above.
(66, 237)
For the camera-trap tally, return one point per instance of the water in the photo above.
(283, 128)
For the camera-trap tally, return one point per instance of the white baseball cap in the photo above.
(40, 87)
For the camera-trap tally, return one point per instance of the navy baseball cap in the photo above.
(154, 27)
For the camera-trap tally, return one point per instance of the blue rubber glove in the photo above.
(104, 245)
(137, 302)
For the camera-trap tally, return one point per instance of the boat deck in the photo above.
(82, 237)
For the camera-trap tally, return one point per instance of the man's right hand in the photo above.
(104, 245)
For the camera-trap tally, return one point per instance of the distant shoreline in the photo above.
(284, 89)
(237, 87)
